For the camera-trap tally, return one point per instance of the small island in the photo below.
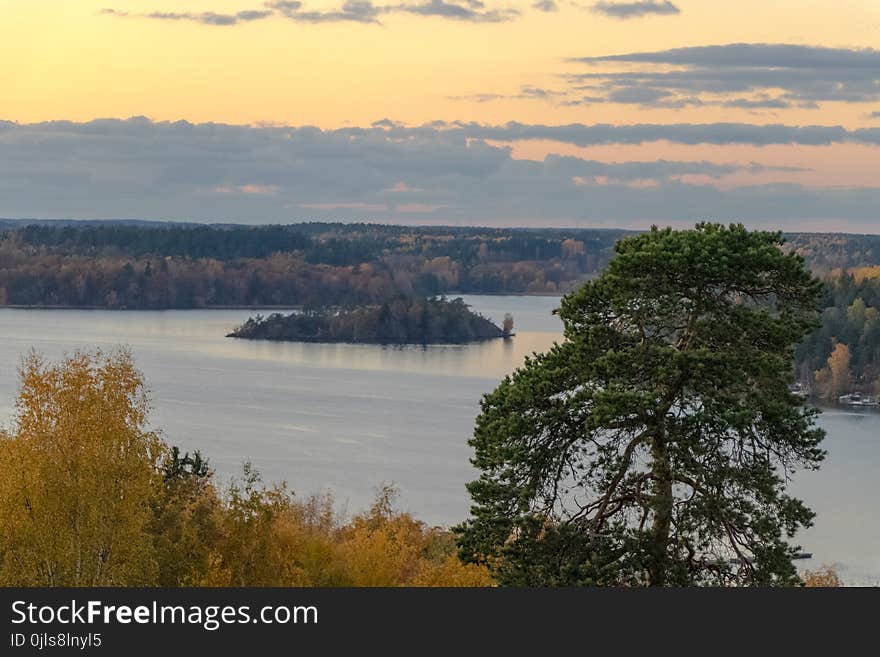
(403, 320)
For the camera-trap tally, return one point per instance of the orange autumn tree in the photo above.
(835, 378)
(824, 577)
(383, 547)
(268, 537)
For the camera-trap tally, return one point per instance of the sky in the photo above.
(458, 112)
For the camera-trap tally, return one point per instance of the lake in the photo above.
(348, 418)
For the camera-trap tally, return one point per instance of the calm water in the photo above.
(348, 418)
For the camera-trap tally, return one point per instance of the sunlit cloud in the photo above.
(247, 189)
(418, 208)
(748, 76)
(351, 11)
(205, 18)
(547, 6)
(472, 11)
(526, 92)
(355, 11)
(628, 10)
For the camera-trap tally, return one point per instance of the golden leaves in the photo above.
(78, 473)
(87, 499)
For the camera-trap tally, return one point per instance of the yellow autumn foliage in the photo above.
(824, 577)
(77, 475)
(859, 273)
(90, 497)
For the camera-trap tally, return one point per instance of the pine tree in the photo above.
(653, 445)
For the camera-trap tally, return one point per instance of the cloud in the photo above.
(579, 134)
(482, 98)
(285, 5)
(472, 11)
(362, 207)
(355, 11)
(750, 77)
(638, 95)
(205, 18)
(627, 10)
(761, 102)
(351, 11)
(747, 76)
(655, 171)
(437, 172)
(387, 123)
(526, 92)
(546, 6)
(418, 208)
(247, 189)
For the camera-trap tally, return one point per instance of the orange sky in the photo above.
(63, 59)
(68, 59)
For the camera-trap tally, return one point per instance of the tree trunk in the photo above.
(661, 506)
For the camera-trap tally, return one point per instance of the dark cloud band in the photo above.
(435, 173)
(735, 75)
(580, 134)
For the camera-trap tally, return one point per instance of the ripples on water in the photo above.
(348, 418)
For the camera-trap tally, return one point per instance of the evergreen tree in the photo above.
(653, 445)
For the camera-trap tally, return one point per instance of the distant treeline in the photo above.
(843, 354)
(137, 266)
(320, 243)
(830, 253)
(153, 266)
(139, 241)
(405, 320)
(319, 265)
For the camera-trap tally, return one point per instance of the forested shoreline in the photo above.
(137, 267)
(143, 265)
(842, 356)
(315, 266)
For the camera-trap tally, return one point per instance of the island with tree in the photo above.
(402, 320)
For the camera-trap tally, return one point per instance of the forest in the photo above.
(404, 320)
(842, 355)
(151, 265)
(827, 253)
(134, 266)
